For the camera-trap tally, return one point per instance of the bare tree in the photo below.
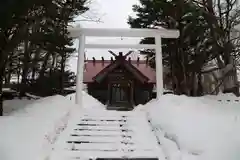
(222, 16)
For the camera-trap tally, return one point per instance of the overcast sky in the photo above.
(112, 14)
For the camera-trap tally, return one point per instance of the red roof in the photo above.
(92, 69)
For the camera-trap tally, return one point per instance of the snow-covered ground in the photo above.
(88, 101)
(15, 105)
(197, 128)
(205, 128)
(29, 132)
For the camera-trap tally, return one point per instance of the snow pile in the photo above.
(88, 101)
(45, 107)
(14, 105)
(29, 133)
(223, 97)
(196, 128)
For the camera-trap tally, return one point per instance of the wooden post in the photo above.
(109, 94)
(80, 69)
(159, 66)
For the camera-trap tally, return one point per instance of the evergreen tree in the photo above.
(185, 56)
(33, 34)
(12, 24)
(197, 44)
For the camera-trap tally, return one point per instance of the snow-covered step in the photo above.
(99, 138)
(101, 128)
(100, 123)
(99, 133)
(91, 146)
(76, 155)
(103, 118)
(107, 134)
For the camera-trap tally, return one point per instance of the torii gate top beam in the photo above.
(134, 32)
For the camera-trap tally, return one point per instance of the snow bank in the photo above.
(202, 127)
(223, 97)
(88, 101)
(29, 133)
(10, 106)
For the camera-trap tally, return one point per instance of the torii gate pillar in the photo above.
(80, 69)
(159, 66)
(158, 34)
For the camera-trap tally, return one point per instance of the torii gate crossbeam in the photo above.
(158, 34)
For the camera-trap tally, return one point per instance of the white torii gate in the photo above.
(158, 34)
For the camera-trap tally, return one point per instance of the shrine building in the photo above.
(120, 83)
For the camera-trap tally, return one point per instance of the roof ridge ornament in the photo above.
(120, 54)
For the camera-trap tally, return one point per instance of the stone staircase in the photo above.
(106, 135)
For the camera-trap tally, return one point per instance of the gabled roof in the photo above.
(93, 68)
(102, 74)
